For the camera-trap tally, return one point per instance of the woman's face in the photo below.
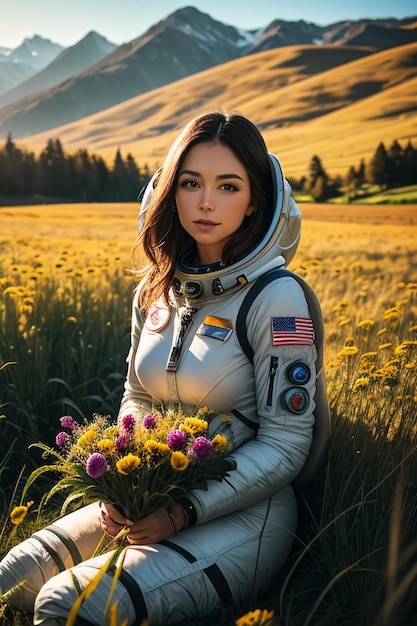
(213, 196)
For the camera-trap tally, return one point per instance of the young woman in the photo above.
(216, 219)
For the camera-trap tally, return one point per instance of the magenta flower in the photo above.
(96, 465)
(149, 421)
(122, 443)
(128, 424)
(68, 422)
(61, 439)
(176, 439)
(202, 447)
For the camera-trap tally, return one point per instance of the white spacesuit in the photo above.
(256, 359)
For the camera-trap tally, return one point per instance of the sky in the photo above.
(67, 21)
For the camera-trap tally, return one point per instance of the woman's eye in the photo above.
(228, 187)
(189, 183)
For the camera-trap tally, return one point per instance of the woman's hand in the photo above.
(150, 529)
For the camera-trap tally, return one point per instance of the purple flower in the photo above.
(176, 439)
(149, 421)
(61, 439)
(202, 447)
(128, 424)
(122, 443)
(68, 422)
(96, 465)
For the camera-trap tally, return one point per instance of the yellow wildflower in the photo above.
(179, 461)
(365, 323)
(194, 425)
(106, 446)
(392, 313)
(259, 617)
(220, 442)
(384, 346)
(155, 447)
(381, 331)
(19, 513)
(128, 464)
(348, 351)
(87, 438)
(360, 382)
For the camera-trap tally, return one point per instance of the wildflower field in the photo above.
(65, 300)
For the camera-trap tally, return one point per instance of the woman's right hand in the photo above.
(111, 520)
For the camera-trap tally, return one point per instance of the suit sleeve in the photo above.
(273, 459)
(135, 400)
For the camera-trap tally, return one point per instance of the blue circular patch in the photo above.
(295, 399)
(298, 373)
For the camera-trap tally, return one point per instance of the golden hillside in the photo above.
(336, 102)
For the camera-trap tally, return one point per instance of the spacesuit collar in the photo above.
(212, 282)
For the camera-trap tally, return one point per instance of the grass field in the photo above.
(64, 332)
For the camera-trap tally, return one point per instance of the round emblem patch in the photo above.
(296, 400)
(157, 318)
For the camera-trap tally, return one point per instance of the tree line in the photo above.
(85, 177)
(78, 177)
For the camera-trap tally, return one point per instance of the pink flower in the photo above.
(176, 439)
(68, 422)
(149, 421)
(61, 439)
(128, 424)
(202, 447)
(122, 443)
(96, 465)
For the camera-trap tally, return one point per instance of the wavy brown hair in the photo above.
(163, 239)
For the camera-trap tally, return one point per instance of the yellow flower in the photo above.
(194, 425)
(87, 438)
(364, 323)
(111, 432)
(128, 464)
(360, 382)
(220, 443)
(384, 346)
(155, 447)
(19, 513)
(392, 313)
(179, 461)
(348, 351)
(106, 446)
(381, 331)
(260, 617)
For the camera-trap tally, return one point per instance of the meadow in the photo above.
(65, 299)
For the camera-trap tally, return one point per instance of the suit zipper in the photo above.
(273, 366)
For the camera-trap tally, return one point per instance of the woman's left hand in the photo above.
(157, 526)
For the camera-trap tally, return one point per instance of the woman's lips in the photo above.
(205, 224)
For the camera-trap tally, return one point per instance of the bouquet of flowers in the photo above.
(138, 465)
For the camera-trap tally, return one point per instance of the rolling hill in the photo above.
(333, 101)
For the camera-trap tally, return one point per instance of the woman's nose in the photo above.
(207, 202)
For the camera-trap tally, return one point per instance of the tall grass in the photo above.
(63, 342)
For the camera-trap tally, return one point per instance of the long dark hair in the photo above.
(163, 239)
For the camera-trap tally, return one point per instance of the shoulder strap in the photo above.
(321, 433)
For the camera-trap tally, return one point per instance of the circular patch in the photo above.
(298, 373)
(295, 399)
(157, 318)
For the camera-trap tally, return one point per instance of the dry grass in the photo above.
(341, 113)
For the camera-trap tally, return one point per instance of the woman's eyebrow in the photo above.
(220, 176)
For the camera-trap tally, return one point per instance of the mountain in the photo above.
(186, 43)
(337, 102)
(29, 58)
(71, 61)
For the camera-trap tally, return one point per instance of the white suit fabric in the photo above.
(245, 525)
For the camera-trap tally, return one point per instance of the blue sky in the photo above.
(67, 21)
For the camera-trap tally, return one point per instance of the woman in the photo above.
(217, 216)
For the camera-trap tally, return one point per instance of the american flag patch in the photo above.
(292, 331)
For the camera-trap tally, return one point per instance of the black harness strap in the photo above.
(67, 541)
(52, 553)
(213, 573)
(135, 594)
